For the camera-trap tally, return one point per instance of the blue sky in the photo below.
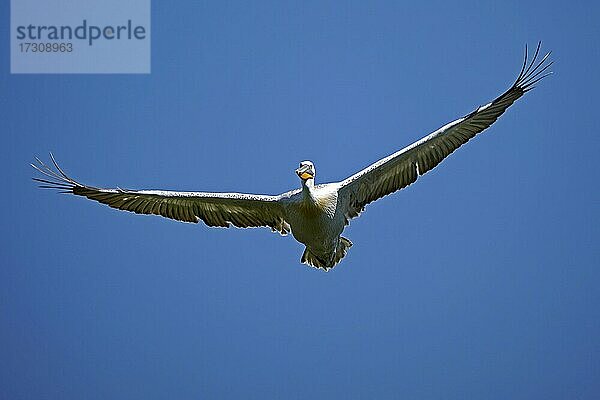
(479, 281)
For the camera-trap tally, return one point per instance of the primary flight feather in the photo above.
(315, 214)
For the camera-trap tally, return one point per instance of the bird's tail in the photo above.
(315, 261)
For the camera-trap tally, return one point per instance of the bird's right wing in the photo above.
(402, 168)
(215, 209)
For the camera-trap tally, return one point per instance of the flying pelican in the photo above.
(316, 215)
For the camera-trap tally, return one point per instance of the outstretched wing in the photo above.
(215, 209)
(405, 166)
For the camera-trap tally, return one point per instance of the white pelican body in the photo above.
(315, 214)
(317, 220)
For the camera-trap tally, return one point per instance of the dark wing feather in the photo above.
(215, 209)
(405, 166)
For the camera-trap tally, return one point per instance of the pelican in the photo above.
(316, 215)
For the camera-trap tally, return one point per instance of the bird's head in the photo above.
(306, 170)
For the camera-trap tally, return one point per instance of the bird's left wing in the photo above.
(405, 166)
(215, 209)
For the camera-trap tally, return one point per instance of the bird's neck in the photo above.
(308, 192)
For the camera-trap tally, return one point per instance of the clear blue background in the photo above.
(479, 281)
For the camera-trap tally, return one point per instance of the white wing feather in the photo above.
(215, 209)
(402, 168)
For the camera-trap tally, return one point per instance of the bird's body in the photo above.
(316, 215)
(317, 220)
